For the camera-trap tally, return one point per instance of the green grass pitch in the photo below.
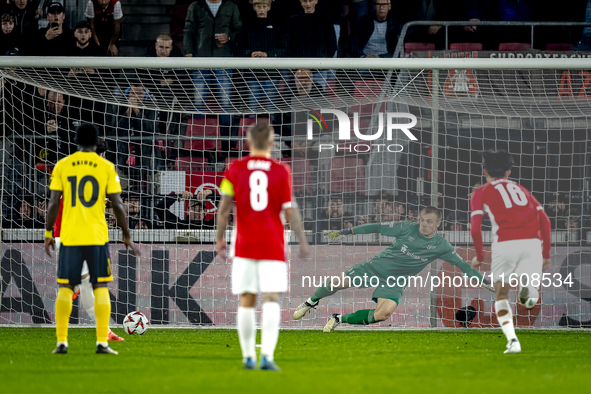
(209, 361)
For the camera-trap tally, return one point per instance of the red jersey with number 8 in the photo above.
(261, 188)
(512, 210)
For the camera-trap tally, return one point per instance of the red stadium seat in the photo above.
(418, 46)
(514, 46)
(559, 46)
(465, 46)
(204, 133)
(191, 164)
(347, 175)
(301, 175)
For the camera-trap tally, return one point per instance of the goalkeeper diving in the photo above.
(416, 246)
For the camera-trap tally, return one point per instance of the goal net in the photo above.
(367, 142)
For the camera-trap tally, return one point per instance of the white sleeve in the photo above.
(89, 13)
(117, 12)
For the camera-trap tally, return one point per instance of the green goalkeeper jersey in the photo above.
(411, 251)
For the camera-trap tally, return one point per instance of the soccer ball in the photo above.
(136, 323)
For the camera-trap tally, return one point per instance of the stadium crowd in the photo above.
(139, 138)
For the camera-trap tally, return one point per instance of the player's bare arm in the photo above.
(119, 211)
(52, 211)
(226, 204)
(295, 222)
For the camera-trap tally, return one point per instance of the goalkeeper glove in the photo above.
(335, 236)
(487, 285)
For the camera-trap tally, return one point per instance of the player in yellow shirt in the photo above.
(84, 179)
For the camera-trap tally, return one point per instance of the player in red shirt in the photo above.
(84, 290)
(260, 188)
(518, 223)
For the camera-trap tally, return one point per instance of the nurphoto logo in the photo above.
(390, 119)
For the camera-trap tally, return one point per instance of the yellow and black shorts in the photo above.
(70, 264)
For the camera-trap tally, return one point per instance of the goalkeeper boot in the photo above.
(76, 292)
(513, 347)
(100, 349)
(61, 348)
(303, 308)
(250, 363)
(333, 322)
(268, 365)
(114, 337)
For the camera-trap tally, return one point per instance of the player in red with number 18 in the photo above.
(260, 187)
(518, 223)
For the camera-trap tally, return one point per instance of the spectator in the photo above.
(140, 223)
(55, 128)
(83, 45)
(56, 36)
(163, 47)
(515, 11)
(135, 126)
(557, 212)
(25, 23)
(427, 10)
(338, 12)
(9, 37)
(211, 30)
(413, 213)
(168, 83)
(584, 43)
(360, 220)
(262, 38)
(110, 216)
(195, 219)
(376, 34)
(24, 216)
(305, 85)
(133, 205)
(334, 217)
(470, 10)
(311, 34)
(381, 198)
(104, 17)
(456, 221)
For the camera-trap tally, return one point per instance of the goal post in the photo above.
(368, 140)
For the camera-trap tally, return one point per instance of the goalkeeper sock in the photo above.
(506, 321)
(247, 331)
(270, 328)
(322, 292)
(63, 309)
(363, 316)
(102, 307)
(87, 296)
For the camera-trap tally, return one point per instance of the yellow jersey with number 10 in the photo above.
(85, 179)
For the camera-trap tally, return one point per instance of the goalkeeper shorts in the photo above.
(252, 276)
(363, 276)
